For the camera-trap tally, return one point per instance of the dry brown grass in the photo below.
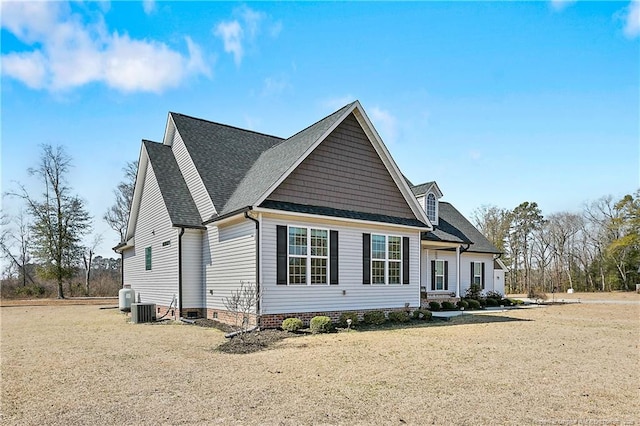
(548, 365)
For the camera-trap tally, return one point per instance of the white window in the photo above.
(431, 207)
(308, 256)
(386, 259)
(477, 273)
(439, 275)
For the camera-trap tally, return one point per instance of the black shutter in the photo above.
(405, 260)
(433, 275)
(281, 249)
(446, 275)
(366, 258)
(471, 276)
(482, 275)
(333, 257)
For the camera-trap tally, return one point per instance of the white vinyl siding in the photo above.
(350, 293)
(229, 257)
(192, 178)
(160, 284)
(465, 269)
(192, 284)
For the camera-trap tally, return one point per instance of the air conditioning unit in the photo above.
(143, 312)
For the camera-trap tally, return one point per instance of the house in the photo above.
(321, 222)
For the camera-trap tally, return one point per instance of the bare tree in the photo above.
(18, 237)
(242, 304)
(87, 259)
(118, 214)
(59, 217)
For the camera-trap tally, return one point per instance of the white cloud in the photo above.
(149, 6)
(561, 4)
(69, 53)
(243, 30)
(632, 24)
(231, 34)
(386, 124)
(275, 86)
(475, 154)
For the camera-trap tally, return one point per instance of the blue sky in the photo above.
(499, 102)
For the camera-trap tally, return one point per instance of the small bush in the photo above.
(505, 302)
(536, 293)
(399, 316)
(483, 302)
(473, 292)
(422, 315)
(462, 304)
(353, 316)
(473, 304)
(491, 302)
(434, 306)
(448, 306)
(374, 317)
(320, 324)
(292, 324)
(494, 295)
(515, 302)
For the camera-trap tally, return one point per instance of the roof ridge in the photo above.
(318, 121)
(226, 125)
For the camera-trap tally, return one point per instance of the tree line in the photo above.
(49, 243)
(596, 249)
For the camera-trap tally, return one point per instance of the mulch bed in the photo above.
(249, 342)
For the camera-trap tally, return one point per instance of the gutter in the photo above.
(257, 222)
(180, 271)
(226, 215)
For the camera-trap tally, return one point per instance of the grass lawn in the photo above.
(562, 364)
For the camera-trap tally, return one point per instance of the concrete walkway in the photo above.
(450, 314)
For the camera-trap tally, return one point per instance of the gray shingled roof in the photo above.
(421, 189)
(177, 198)
(222, 154)
(274, 162)
(348, 214)
(453, 227)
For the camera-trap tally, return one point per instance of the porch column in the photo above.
(457, 271)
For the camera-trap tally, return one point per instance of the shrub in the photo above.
(292, 324)
(491, 302)
(399, 316)
(473, 292)
(494, 295)
(374, 317)
(505, 302)
(515, 301)
(434, 306)
(422, 315)
(473, 304)
(536, 293)
(448, 306)
(483, 302)
(462, 304)
(320, 324)
(353, 316)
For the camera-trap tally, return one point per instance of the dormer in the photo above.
(428, 195)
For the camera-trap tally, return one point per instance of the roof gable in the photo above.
(344, 172)
(424, 188)
(274, 164)
(175, 193)
(222, 154)
(455, 228)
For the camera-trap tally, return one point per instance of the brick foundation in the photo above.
(227, 317)
(275, 320)
(174, 313)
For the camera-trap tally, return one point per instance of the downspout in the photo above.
(180, 271)
(122, 268)
(257, 222)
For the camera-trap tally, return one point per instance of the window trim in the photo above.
(433, 219)
(148, 259)
(309, 257)
(479, 275)
(387, 261)
(435, 274)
